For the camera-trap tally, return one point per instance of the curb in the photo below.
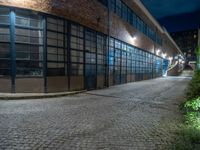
(20, 96)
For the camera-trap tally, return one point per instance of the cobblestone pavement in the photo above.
(142, 115)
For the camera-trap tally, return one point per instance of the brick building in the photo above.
(65, 45)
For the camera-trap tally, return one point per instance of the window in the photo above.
(117, 64)
(140, 24)
(90, 42)
(101, 54)
(124, 61)
(130, 16)
(4, 58)
(76, 49)
(111, 55)
(76, 69)
(124, 12)
(4, 42)
(119, 7)
(112, 5)
(55, 47)
(29, 44)
(4, 34)
(129, 59)
(4, 16)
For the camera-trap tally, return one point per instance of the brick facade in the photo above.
(91, 14)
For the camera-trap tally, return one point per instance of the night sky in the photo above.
(175, 15)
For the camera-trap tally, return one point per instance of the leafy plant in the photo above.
(192, 105)
(193, 90)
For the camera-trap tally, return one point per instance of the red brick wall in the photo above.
(93, 14)
(90, 13)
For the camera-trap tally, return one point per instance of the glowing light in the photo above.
(158, 52)
(170, 58)
(134, 38)
(164, 55)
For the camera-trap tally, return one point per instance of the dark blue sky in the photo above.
(175, 15)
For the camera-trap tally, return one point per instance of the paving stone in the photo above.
(134, 116)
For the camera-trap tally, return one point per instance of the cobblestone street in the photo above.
(135, 116)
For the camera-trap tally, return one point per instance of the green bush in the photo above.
(189, 135)
(188, 139)
(192, 105)
(193, 90)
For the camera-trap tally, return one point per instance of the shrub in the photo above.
(192, 105)
(193, 90)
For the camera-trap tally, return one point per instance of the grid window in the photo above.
(112, 5)
(4, 58)
(117, 60)
(134, 23)
(4, 50)
(4, 42)
(77, 69)
(111, 56)
(119, 7)
(90, 42)
(101, 54)
(55, 47)
(4, 16)
(76, 49)
(29, 44)
(124, 12)
(129, 59)
(130, 16)
(101, 49)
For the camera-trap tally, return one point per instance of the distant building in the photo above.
(187, 42)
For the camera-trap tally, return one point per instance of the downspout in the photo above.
(108, 43)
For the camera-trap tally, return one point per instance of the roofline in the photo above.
(148, 14)
(170, 38)
(155, 22)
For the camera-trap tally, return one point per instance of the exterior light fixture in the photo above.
(157, 52)
(170, 58)
(176, 57)
(164, 55)
(134, 38)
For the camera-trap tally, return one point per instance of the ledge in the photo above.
(18, 96)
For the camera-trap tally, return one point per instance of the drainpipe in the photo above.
(109, 23)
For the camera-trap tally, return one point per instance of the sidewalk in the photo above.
(17, 96)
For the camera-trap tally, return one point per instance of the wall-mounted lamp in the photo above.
(164, 55)
(158, 52)
(170, 58)
(134, 38)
